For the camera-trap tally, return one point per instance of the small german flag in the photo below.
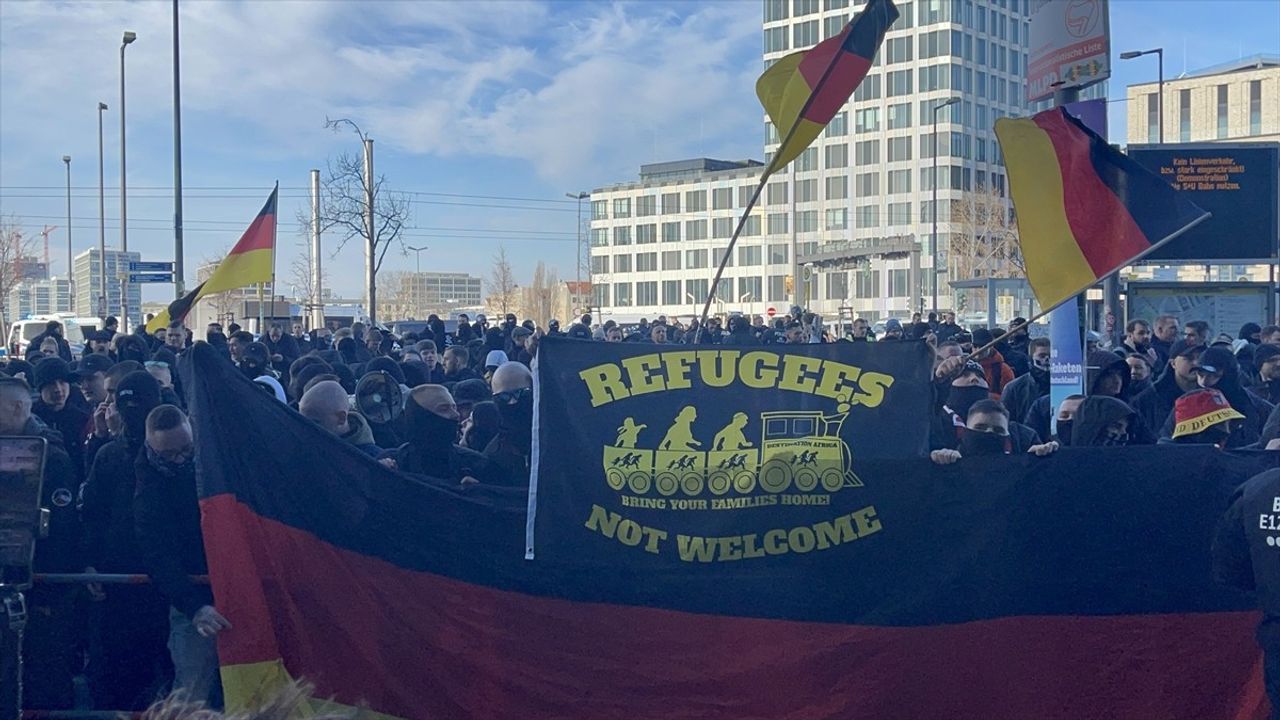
(250, 262)
(1084, 209)
(804, 90)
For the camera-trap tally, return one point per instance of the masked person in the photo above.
(513, 395)
(1066, 418)
(49, 657)
(129, 661)
(432, 428)
(167, 519)
(255, 361)
(1203, 417)
(1217, 369)
(1103, 421)
(987, 432)
(968, 389)
(1019, 395)
(1244, 550)
(999, 373)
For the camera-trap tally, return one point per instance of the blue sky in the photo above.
(490, 110)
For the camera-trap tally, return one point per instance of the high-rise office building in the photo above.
(88, 273)
(846, 228)
(30, 298)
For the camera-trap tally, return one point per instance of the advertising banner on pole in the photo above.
(1070, 46)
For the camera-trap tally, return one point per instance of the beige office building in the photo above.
(1237, 101)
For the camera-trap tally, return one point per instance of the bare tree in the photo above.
(345, 202)
(399, 300)
(300, 272)
(545, 296)
(984, 238)
(15, 246)
(502, 283)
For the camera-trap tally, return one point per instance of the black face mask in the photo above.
(974, 443)
(135, 421)
(1039, 374)
(428, 430)
(170, 469)
(960, 399)
(516, 419)
(1064, 431)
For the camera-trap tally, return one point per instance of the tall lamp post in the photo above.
(579, 196)
(129, 37)
(102, 225)
(933, 237)
(66, 160)
(417, 278)
(1159, 53)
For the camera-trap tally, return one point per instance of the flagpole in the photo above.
(768, 171)
(275, 227)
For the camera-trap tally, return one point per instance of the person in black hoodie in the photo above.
(1013, 355)
(1019, 395)
(987, 431)
(432, 427)
(49, 657)
(129, 662)
(1244, 549)
(166, 510)
(1103, 421)
(1217, 369)
(1154, 404)
(55, 407)
(740, 332)
(513, 394)
(53, 329)
(1266, 358)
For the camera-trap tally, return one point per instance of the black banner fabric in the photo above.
(705, 442)
(1073, 586)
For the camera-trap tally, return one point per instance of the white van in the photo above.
(22, 332)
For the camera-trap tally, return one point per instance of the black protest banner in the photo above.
(706, 442)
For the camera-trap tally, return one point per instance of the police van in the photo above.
(22, 332)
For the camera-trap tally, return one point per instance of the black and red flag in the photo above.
(882, 587)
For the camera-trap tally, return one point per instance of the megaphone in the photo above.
(379, 398)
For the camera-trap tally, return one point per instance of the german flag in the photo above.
(250, 262)
(1084, 209)
(804, 90)
(996, 589)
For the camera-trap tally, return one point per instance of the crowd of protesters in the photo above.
(120, 476)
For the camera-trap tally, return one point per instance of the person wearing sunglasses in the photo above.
(513, 396)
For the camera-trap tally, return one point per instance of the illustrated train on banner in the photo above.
(799, 449)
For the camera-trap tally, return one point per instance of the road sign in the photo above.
(150, 267)
(771, 312)
(1070, 46)
(136, 278)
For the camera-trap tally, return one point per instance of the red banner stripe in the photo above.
(1107, 234)
(417, 645)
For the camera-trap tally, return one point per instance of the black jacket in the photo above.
(1154, 404)
(106, 509)
(1244, 554)
(72, 422)
(1095, 414)
(64, 348)
(510, 457)
(287, 348)
(1022, 392)
(166, 513)
(1257, 413)
(461, 462)
(60, 550)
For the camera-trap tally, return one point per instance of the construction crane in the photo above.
(45, 234)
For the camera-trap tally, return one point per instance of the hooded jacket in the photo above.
(1099, 364)
(1095, 414)
(1155, 403)
(360, 435)
(166, 511)
(1019, 395)
(999, 373)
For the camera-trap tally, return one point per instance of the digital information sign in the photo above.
(1239, 183)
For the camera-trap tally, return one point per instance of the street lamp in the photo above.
(579, 196)
(129, 37)
(417, 255)
(933, 241)
(1159, 53)
(66, 160)
(102, 225)
(417, 278)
